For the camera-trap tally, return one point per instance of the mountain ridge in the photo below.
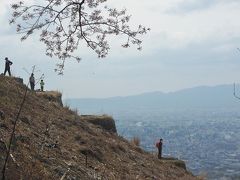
(202, 96)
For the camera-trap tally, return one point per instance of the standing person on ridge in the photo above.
(42, 84)
(32, 81)
(159, 146)
(7, 66)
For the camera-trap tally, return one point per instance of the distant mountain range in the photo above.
(220, 96)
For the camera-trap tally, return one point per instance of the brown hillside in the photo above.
(53, 142)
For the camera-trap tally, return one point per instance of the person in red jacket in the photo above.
(159, 146)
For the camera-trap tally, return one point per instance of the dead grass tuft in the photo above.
(136, 141)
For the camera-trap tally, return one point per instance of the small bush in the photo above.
(67, 107)
(202, 176)
(136, 141)
(76, 111)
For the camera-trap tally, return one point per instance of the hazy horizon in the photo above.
(156, 91)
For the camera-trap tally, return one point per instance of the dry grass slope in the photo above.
(52, 141)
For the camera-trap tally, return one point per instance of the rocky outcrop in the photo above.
(17, 79)
(104, 121)
(174, 161)
(51, 96)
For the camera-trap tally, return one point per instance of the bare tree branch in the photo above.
(66, 23)
(13, 130)
(13, 134)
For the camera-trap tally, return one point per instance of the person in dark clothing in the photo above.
(42, 84)
(32, 81)
(159, 146)
(7, 67)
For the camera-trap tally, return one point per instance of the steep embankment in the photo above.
(53, 142)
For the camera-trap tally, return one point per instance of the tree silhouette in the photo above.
(64, 24)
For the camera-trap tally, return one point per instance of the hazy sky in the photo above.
(192, 43)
